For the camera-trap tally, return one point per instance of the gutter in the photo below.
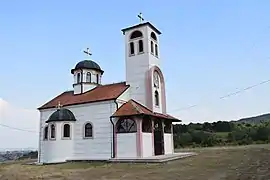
(113, 136)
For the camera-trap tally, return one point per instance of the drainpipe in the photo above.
(113, 138)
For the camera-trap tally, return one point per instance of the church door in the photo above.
(158, 137)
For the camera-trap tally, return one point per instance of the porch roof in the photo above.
(133, 108)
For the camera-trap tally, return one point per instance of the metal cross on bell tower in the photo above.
(140, 17)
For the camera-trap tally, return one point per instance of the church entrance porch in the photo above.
(141, 133)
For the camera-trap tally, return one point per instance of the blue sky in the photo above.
(208, 49)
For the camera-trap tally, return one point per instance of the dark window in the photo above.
(153, 35)
(140, 46)
(46, 133)
(52, 131)
(131, 48)
(147, 125)
(156, 98)
(152, 47)
(136, 34)
(156, 49)
(88, 130)
(78, 77)
(126, 126)
(88, 77)
(167, 127)
(66, 130)
(97, 79)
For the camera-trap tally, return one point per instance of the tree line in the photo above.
(220, 133)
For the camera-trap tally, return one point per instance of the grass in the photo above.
(222, 134)
(232, 163)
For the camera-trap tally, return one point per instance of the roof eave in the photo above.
(139, 25)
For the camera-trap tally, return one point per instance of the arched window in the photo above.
(97, 78)
(153, 36)
(156, 98)
(52, 131)
(78, 77)
(136, 34)
(152, 47)
(88, 77)
(126, 126)
(46, 130)
(66, 131)
(88, 130)
(140, 46)
(156, 50)
(131, 48)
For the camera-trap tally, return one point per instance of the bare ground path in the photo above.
(232, 163)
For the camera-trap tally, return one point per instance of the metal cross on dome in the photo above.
(140, 17)
(87, 51)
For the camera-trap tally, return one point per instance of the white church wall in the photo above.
(126, 145)
(44, 145)
(96, 148)
(77, 88)
(147, 144)
(99, 146)
(58, 149)
(168, 143)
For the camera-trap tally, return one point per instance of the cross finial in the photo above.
(59, 105)
(140, 17)
(87, 51)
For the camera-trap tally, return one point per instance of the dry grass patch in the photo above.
(233, 163)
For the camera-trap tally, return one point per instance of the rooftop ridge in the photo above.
(136, 107)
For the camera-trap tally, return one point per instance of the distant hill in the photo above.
(255, 119)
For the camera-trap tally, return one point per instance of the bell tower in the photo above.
(143, 67)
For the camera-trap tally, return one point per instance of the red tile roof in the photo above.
(99, 93)
(132, 108)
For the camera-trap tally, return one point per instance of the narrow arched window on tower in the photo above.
(136, 34)
(140, 46)
(78, 77)
(152, 47)
(156, 98)
(88, 77)
(156, 50)
(131, 48)
(153, 36)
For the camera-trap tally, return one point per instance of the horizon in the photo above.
(208, 50)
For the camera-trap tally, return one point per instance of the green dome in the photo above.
(87, 64)
(61, 115)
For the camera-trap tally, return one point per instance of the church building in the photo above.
(125, 120)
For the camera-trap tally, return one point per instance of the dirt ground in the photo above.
(232, 163)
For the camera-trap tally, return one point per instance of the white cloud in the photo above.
(19, 118)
